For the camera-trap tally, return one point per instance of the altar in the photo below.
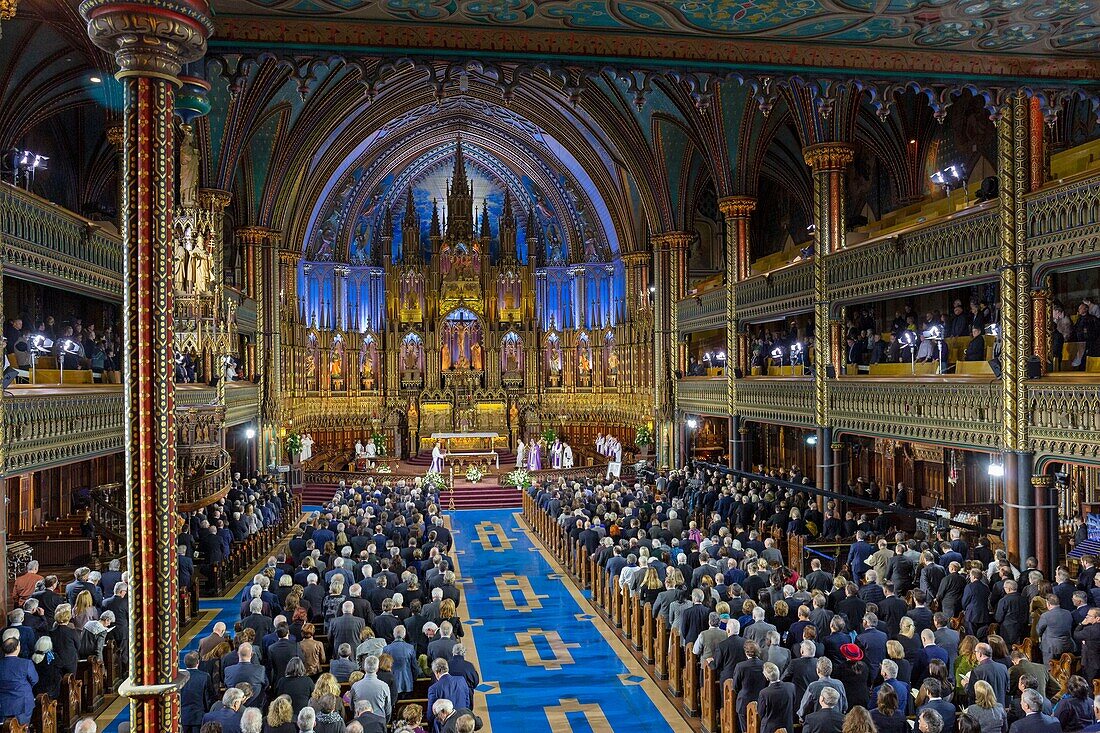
(464, 446)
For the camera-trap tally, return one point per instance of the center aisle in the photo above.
(547, 662)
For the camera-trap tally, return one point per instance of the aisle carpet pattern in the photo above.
(546, 663)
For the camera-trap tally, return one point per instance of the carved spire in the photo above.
(410, 212)
(486, 231)
(459, 184)
(436, 229)
(507, 227)
(410, 229)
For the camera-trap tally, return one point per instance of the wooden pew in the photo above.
(675, 664)
(660, 651)
(691, 682)
(636, 630)
(648, 633)
(627, 609)
(708, 700)
(69, 709)
(11, 725)
(93, 680)
(110, 666)
(752, 718)
(44, 718)
(729, 708)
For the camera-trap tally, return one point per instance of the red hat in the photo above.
(851, 652)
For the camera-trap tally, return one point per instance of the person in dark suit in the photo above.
(827, 719)
(372, 722)
(858, 554)
(729, 653)
(748, 680)
(852, 607)
(872, 641)
(975, 348)
(892, 609)
(1034, 720)
(17, 680)
(995, 673)
(228, 716)
(975, 602)
(1012, 615)
(280, 653)
(1055, 630)
(1088, 634)
(245, 671)
(802, 672)
(776, 702)
(935, 701)
(951, 589)
(256, 620)
(196, 695)
(695, 618)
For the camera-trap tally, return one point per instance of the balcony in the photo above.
(704, 312)
(776, 294)
(702, 395)
(46, 243)
(787, 400)
(1063, 224)
(1064, 419)
(52, 427)
(952, 410)
(958, 248)
(242, 400)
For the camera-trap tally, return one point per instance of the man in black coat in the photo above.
(852, 607)
(776, 702)
(695, 618)
(196, 695)
(729, 653)
(892, 609)
(900, 571)
(951, 588)
(827, 719)
(995, 673)
(801, 672)
(1012, 615)
(748, 680)
(1088, 636)
(975, 602)
(280, 653)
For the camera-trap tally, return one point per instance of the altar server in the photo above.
(438, 454)
(615, 465)
(566, 456)
(600, 444)
(521, 453)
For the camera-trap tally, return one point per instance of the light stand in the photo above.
(908, 339)
(249, 435)
(796, 350)
(39, 345)
(777, 353)
(67, 347)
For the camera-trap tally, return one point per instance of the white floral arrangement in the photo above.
(435, 481)
(474, 474)
(520, 478)
(384, 469)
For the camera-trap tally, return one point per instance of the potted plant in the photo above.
(293, 446)
(549, 436)
(474, 474)
(379, 441)
(520, 478)
(643, 438)
(435, 481)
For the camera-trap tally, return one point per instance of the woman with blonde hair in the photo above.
(858, 720)
(280, 716)
(84, 609)
(895, 651)
(651, 586)
(412, 720)
(447, 612)
(326, 685)
(66, 639)
(989, 713)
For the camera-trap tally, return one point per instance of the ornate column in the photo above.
(288, 309)
(340, 296)
(580, 306)
(150, 42)
(1041, 321)
(269, 343)
(737, 212)
(249, 239)
(1016, 334)
(829, 162)
(669, 278)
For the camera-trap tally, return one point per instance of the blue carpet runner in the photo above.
(546, 663)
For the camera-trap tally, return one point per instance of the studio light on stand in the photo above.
(26, 165)
(68, 346)
(935, 335)
(908, 338)
(40, 345)
(777, 353)
(692, 425)
(949, 179)
(249, 435)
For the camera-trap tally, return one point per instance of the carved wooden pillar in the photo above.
(150, 42)
(737, 212)
(669, 279)
(1041, 320)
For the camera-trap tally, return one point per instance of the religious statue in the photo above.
(367, 381)
(410, 360)
(612, 362)
(511, 356)
(446, 362)
(513, 415)
(189, 169)
(412, 303)
(475, 356)
(200, 267)
(181, 255)
(585, 362)
(555, 360)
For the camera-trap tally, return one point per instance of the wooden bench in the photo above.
(973, 367)
(68, 711)
(44, 718)
(53, 376)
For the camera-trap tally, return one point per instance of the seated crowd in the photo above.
(935, 630)
(356, 628)
(71, 344)
(52, 626)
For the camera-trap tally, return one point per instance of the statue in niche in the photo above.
(555, 360)
(182, 256)
(446, 356)
(509, 298)
(511, 358)
(585, 362)
(410, 360)
(200, 267)
(590, 253)
(613, 362)
(412, 302)
(553, 241)
(475, 356)
(189, 169)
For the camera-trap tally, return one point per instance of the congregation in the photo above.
(935, 630)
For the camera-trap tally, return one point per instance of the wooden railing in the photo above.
(199, 491)
(659, 649)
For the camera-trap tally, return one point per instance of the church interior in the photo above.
(486, 296)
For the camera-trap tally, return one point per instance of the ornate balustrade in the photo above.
(1063, 224)
(704, 312)
(704, 395)
(955, 249)
(109, 517)
(776, 294)
(51, 430)
(1064, 419)
(242, 403)
(208, 487)
(950, 410)
(787, 400)
(43, 240)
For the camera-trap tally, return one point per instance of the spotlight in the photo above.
(653, 288)
(95, 79)
(995, 470)
(721, 356)
(811, 440)
(692, 423)
(250, 433)
(949, 178)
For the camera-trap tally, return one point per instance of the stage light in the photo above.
(95, 79)
(250, 433)
(995, 470)
(721, 356)
(692, 423)
(811, 440)
(653, 288)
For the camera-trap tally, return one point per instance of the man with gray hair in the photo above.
(448, 687)
(372, 689)
(86, 725)
(346, 628)
(993, 672)
(707, 641)
(228, 716)
(443, 646)
(776, 702)
(827, 719)
(252, 721)
(1034, 720)
(307, 720)
(370, 721)
(824, 679)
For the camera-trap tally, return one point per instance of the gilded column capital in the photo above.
(737, 207)
(674, 240)
(1042, 481)
(635, 259)
(214, 198)
(115, 134)
(252, 234)
(153, 38)
(824, 157)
